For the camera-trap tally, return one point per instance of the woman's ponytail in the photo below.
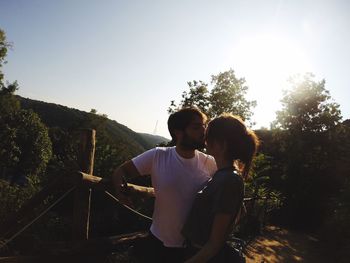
(247, 151)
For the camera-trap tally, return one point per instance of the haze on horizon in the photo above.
(129, 59)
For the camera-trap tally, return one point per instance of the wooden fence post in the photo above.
(81, 214)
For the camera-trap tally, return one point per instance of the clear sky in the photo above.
(129, 59)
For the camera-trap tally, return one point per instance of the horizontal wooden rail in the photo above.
(92, 181)
(99, 183)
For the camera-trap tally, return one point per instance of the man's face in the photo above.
(194, 134)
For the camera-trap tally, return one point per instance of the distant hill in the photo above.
(54, 115)
(153, 139)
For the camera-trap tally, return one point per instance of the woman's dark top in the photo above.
(223, 194)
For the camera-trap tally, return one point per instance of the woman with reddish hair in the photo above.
(217, 205)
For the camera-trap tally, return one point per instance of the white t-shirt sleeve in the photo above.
(211, 164)
(144, 161)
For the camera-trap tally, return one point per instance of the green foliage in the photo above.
(198, 96)
(154, 140)
(4, 46)
(335, 232)
(9, 104)
(64, 155)
(306, 155)
(54, 115)
(115, 143)
(227, 95)
(25, 147)
(109, 154)
(14, 196)
(307, 106)
(259, 187)
(340, 201)
(259, 176)
(34, 142)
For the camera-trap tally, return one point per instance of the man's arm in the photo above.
(128, 170)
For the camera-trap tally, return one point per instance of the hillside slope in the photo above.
(54, 115)
(153, 139)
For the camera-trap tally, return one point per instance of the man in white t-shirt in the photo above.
(177, 174)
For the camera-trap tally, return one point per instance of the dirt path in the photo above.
(276, 245)
(281, 245)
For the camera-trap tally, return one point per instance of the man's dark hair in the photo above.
(181, 119)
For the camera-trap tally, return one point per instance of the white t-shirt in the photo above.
(176, 181)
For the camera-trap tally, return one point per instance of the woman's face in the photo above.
(212, 146)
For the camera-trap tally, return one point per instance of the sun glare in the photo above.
(269, 58)
(267, 61)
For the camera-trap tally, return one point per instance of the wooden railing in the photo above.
(81, 182)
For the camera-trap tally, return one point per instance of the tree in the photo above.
(336, 226)
(227, 95)
(305, 122)
(307, 106)
(25, 144)
(198, 96)
(4, 46)
(25, 147)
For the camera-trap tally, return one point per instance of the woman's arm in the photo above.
(218, 235)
